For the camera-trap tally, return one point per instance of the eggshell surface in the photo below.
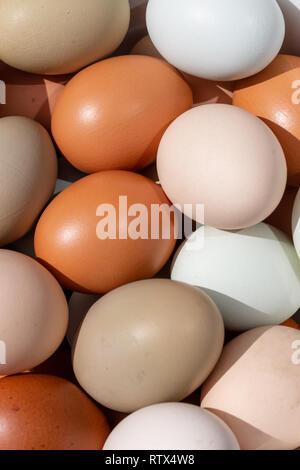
(147, 342)
(171, 426)
(28, 171)
(97, 253)
(225, 159)
(296, 223)
(43, 412)
(29, 95)
(194, 35)
(274, 96)
(61, 36)
(255, 388)
(34, 312)
(253, 275)
(113, 114)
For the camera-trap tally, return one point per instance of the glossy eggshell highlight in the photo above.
(147, 342)
(29, 95)
(67, 239)
(171, 426)
(274, 96)
(226, 159)
(61, 36)
(113, 114)
(255, 388)
(226, 40)
(28, 171)
(204, 91)
(43, 412)
(291, 13)
(34, 312)
(253, 275)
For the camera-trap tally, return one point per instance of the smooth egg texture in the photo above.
(225, 159)
(94, 242)
(253, 275)
(274, 96)
(147, 342)
(226, 40)
(171, 426)
(113, 114)
(43, 412)
(60, 36)
(34, 313)
(255, 388)
(28, 171)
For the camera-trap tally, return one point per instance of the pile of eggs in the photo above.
(116, 333)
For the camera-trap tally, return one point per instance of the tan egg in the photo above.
(147, 342)
(61, 36)
(30, 95)
(28, 171)
(255, 388)
(204, 91)
(33, 315)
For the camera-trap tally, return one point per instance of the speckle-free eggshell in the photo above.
(253, 275)
(147, 342)
(255, 388)
(171, 426)
(43, 412)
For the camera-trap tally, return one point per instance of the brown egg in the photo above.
(204, 91)
(43, 412)
(93, 248)
(113, 114)
(147, 342)
(29, 95)
(282, 216)
(274, 96)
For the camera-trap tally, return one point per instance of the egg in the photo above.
(255, 388)
(65, 35)
(224, 160)
(226, 40)
(253, 275)
(30, 95)
(28, 170)
(291, 12)
(113, 114)
(100, 232)
(43, 412)
(79, 305)
(281, 218)
(274, 96)
(296, 223)
(204, 91)
(147, 342)
(34, 313)
(171, 426)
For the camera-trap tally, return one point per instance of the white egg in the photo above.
(291, 13)
(171, 426)
(79, 305)
(253, 275)
(217, 40)
(296, 223)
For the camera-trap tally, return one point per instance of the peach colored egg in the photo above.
(30, 95)
(255, 388)
(92, 248)
(43, 412)
(113, 114)
(204, 91)
(281, 218)
(274, 96)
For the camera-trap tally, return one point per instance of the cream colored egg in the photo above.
(33, 314)
(253, 275)
(60, 36)
(255, 388)
(28, 171)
